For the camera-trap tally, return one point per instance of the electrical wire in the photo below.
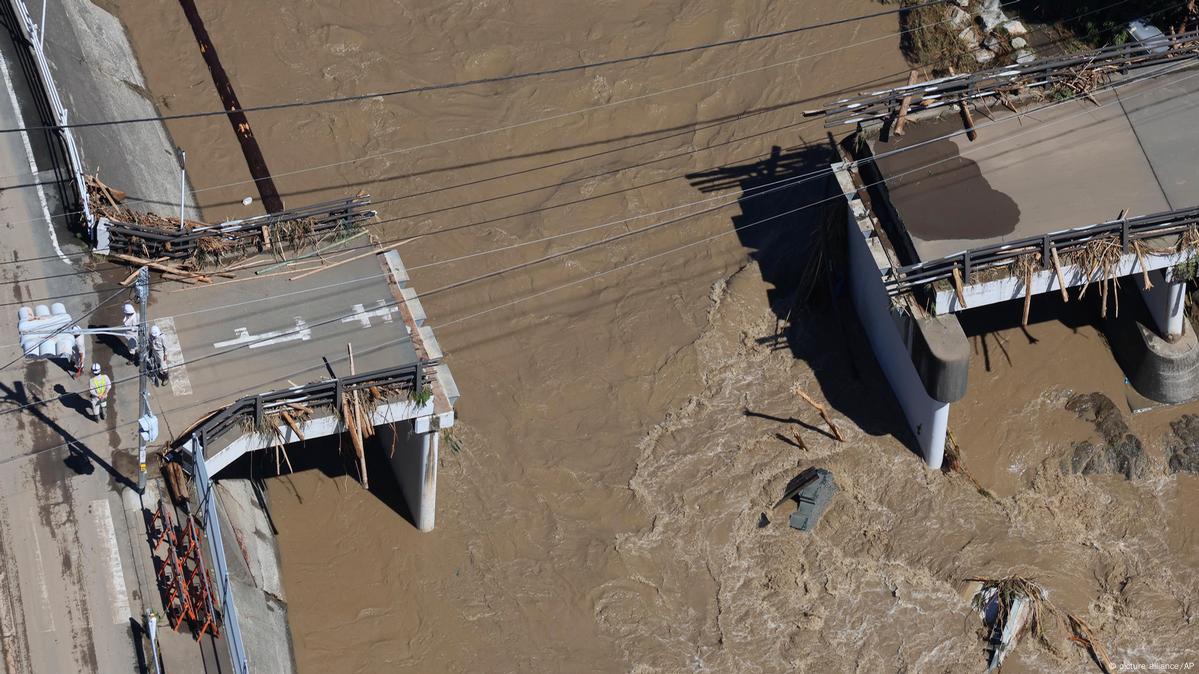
(390, 152)
(740, 228)
(475, 82)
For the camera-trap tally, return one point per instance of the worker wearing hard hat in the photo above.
(131, 323)
(99, 386)
(78, 352)
(158, 356)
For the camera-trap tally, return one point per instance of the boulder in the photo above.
(968, 37)
(983, 55)
(1019, 43)
(1182, 456)
(1119, 452)
(1014, 28)
(958, 17)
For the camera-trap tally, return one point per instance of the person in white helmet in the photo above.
(99, 386)
(78, 352)
(157, 353)
(131, 321)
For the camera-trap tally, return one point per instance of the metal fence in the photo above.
(970, 262)
(350, 214)
(1062, 71)
(50, 107)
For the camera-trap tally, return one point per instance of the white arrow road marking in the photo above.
(363, 316)
(180, 384)
(299, 333)
(102, 514)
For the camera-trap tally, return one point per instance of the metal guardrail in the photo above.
(329, 392)
(33, 36)
(257, 407)
(974, 260)
(997, 81)
(349, 214)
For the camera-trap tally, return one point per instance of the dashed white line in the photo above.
(43, 591)
(102, 514)
(181, 385)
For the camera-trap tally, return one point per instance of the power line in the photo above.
(740, 228)
(580, 111)
(480, 81)
(601, 106)
(726, 233)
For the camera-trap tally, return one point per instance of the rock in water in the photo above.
(1184, 455)
(1121, 451)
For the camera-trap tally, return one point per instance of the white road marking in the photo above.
(41, 574)
(300, 333)
(176, 363)
(41, 194)
(102, 514)
(363, 316)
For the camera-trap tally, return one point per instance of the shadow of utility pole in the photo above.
(17, 393)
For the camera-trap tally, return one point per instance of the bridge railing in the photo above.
(413, 377)
(1007, 80)
(349, 214)
(53, 109)
(970, 262)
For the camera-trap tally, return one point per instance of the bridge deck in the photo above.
(267, 333)
(1069, 165)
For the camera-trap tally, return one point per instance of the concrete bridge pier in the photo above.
(1165, 301)
(925, 358)
(417, 448)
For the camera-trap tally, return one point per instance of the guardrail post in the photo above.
(1124, 235)
(966, 270)
(417, 388)
(258, 411)
(338, 393)
(1045, 252)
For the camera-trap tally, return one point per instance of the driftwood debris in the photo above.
(958, 288)
(902, 120)
(1084, 636)
(1057, 269)
(823, 413)
(348, 259)
(968, 120)
(291, 423)
(179, 272)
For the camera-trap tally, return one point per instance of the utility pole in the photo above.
(182, 185)
(143, 350)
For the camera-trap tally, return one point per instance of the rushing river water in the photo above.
(621, 438)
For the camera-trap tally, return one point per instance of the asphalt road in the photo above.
(75, 569)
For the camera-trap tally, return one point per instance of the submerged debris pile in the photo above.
(1014, 606)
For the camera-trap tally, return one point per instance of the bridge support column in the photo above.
(1166, 301)
(415, 465)
(924, 358)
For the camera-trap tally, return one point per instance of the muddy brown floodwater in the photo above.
(621, 438)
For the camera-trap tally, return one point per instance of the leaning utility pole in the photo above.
(143, 350)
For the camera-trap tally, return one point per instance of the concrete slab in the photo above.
(1070, 165)
(1165, 116)
(257, 334)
